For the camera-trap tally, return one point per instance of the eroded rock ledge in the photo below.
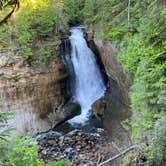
(31, 93)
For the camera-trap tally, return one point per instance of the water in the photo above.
(89, 85)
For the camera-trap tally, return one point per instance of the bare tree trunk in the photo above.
(128, 15)
(16, 4)
(7, 16)
(120, 154)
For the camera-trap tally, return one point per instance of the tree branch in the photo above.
(120, 154)
(16, 6)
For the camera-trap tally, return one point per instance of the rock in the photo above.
(99, 107)
(67, 150)
(32, 94)
(1, 73)
(20, 63)
(53, 134)
(61, 140)
(10, 62)
(78, 148)
(95, 134)
(51, 142)
(83, 146)
(77, 162)
(44, 152)
(47, 139)
(70, 110)
(100, 130)
(3, 60)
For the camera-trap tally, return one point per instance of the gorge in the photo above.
(82, 82)
(43, 89)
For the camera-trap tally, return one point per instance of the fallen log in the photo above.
(120, 154)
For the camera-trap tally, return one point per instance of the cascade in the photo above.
(87, 84)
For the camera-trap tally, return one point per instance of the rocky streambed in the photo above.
(88, 148)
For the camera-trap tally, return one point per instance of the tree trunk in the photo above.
(128, 15)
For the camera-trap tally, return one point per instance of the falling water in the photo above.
(89, 85)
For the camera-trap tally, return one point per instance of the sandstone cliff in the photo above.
(31, 93)
(113, 108)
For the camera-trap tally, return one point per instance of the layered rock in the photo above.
(108, 55)
(114, 107)
(32, 94)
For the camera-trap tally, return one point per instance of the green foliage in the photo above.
(4, 127)
(90, 10)
(142, 41)
(35, 19)
(59, 163)
(126, 124)
(158, 137)
(34, 23)
(19, 152)
(5, 37)
(106, 15)
(72, 9)
(145, 57)
(16, 151)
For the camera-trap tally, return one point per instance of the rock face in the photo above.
(64, 113)
(114, 107)
(99, 107)
(31, 93)
(112, 68)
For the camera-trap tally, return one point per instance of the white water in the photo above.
(89, 85)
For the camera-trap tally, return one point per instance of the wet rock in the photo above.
(70, 110)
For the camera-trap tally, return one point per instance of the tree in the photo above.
(128, 16)
(4, 4)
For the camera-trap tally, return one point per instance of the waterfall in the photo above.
(88, 82)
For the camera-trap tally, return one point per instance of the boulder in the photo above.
(99, 108)
(3, 60)
(50, 134)
(70, 110)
